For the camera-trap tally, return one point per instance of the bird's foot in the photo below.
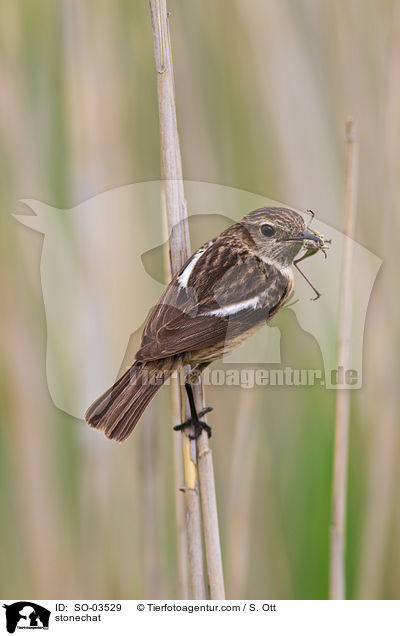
(196, 424)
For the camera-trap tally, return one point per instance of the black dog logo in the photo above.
(26, 615)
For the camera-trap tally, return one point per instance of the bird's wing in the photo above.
(221, 292)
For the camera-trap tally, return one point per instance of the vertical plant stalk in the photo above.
(209, 510)
(337, 583)
(176, 211)
(182, 551)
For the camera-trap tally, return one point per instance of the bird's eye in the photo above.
(267, 230)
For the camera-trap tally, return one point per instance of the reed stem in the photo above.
(197, 458)
(337, 584)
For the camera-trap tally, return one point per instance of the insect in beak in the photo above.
(312, 242)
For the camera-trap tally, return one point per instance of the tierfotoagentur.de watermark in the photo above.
(101, 273)
(247, 378)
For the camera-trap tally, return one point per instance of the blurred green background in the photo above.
(263, 91)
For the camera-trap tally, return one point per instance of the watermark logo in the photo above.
(26, 615)
(102, 270)
(248, 378)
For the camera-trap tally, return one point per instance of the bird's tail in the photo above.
(117, 411)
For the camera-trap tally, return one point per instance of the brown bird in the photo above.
(229, 288)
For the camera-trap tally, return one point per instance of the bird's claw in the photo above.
(197, 425)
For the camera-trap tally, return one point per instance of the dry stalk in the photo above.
(337, 583)
(182, 553)
(176, 213)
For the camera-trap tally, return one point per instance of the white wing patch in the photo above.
(229, 310)
(183, 278)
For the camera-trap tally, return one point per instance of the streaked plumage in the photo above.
(228, 289)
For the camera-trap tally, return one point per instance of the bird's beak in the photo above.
(307, 236)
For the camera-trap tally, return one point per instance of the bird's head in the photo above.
(279, 234)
